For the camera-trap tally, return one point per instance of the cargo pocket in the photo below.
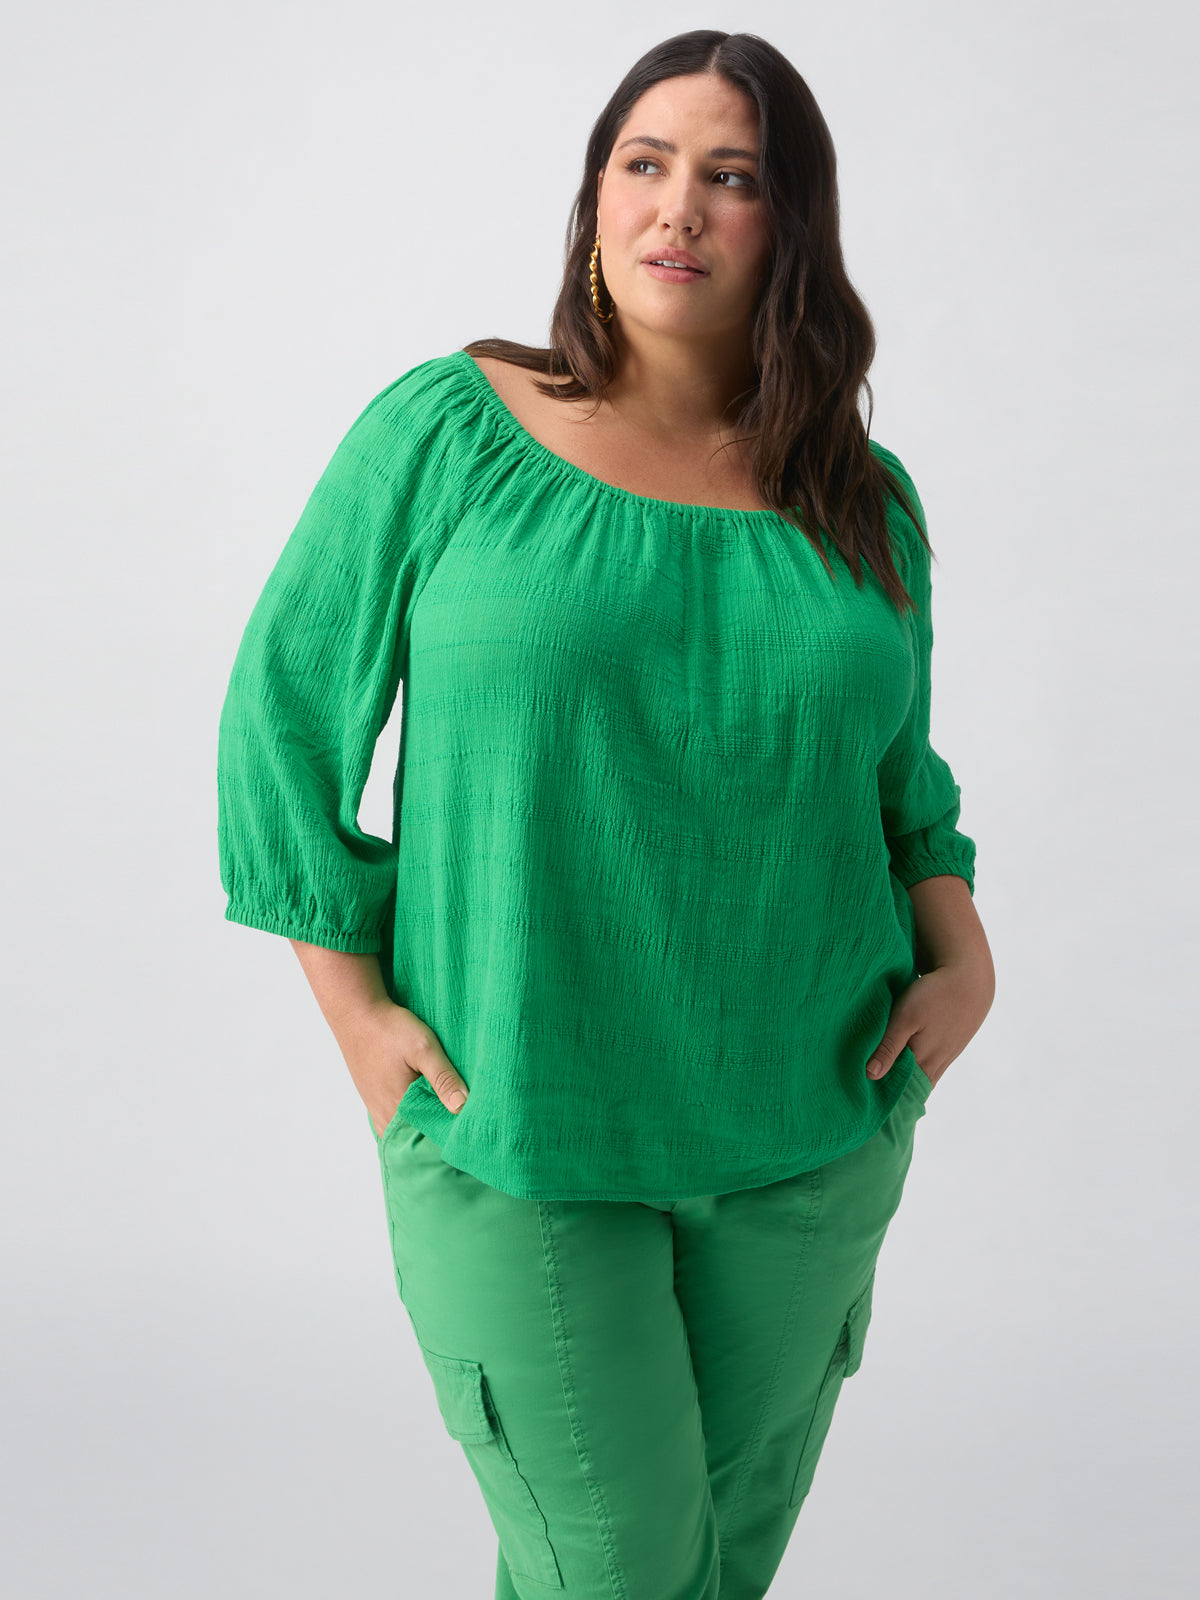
(465, 1402)
(845, 1361)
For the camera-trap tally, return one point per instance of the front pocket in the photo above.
(399, 1120)
(844, 1363)
(923, 1081)
(382, 1138)
(465, 1402)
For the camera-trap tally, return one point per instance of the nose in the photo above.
(681, 209)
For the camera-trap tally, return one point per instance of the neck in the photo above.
(679, 388)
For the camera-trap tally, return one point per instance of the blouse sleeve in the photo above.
(919, 799)
(313, 684)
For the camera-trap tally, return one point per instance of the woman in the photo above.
(676, 931)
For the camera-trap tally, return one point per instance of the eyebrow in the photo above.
(723, 152)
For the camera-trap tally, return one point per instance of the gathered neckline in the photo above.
(569, 469)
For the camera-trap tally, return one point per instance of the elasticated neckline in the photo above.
(730, 515)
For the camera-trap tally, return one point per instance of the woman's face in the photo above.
(683, 173)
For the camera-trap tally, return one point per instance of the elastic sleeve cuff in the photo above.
(291, 927)
(955, 860)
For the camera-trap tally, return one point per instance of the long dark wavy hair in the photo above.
(813, 341)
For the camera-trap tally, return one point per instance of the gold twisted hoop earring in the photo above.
(595, 284)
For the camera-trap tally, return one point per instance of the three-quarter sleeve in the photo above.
(313, 684)
(919, 799)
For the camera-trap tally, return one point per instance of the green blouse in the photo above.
(663, 785)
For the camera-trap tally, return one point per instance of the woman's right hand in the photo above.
(386, 1047)
(387, 1050)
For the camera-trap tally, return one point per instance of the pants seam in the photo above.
(807, 1233)
(594, 1486)
(387, 1206)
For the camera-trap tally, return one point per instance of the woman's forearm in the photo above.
(348, 988)
(948, 929)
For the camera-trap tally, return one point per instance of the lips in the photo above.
(683, 257)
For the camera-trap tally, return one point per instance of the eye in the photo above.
(744, 181)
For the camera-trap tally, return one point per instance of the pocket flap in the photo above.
(857, 1319)
(458, 1385)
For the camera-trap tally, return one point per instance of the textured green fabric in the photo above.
(663, 785)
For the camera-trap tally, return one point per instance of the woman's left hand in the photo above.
(937, 1017)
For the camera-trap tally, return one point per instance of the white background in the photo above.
(225, 228)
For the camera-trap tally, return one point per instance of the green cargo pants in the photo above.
(642, 1390)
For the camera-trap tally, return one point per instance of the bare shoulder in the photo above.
(508, 376)
(516, 386)
(503, 376)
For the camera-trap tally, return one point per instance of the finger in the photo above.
(450, 1089)
(447, 1085)
(888, 1048)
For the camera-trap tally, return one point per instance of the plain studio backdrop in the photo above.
(226, 228)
